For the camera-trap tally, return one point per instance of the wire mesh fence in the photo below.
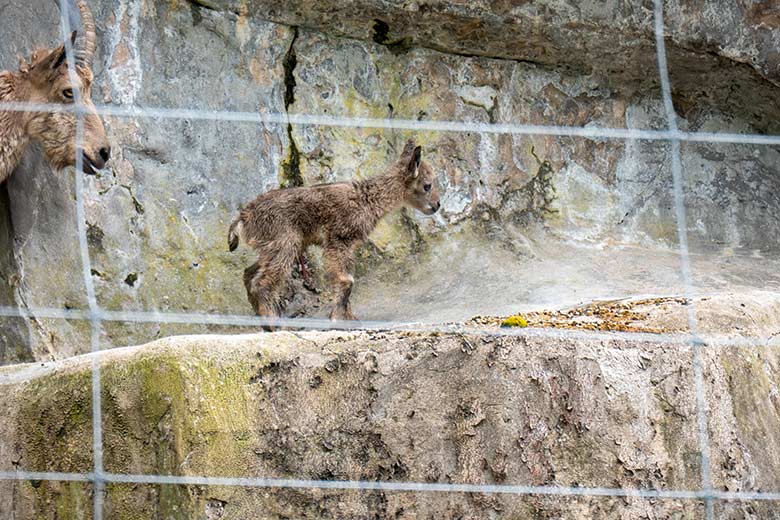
(98, 317)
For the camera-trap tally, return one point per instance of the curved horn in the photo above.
(80, 20)
(87, 40)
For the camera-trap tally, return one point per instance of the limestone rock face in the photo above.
(157, 217)
(392, 407)
(734, 44)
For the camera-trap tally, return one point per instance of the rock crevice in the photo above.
(291, 167)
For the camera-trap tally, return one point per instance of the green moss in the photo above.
(192, 414)
(515, 321)
(214, 284)
(73, 501)
(173, 501)
(48, 500)
(356, 105)
(55, 432)
(292, 175)
(751, 376)
(55, 416)
(139, 502)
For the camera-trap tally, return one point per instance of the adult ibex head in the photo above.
(46, 79)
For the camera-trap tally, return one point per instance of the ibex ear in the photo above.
(56, 58)
(410, 158)
(414, 164)
(72, 48)
(406, 153)
(24, 67)
(50, 63)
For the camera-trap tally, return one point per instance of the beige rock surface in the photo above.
(399, 407)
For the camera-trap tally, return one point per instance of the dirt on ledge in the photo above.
(754, 313)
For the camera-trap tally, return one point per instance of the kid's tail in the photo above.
(234, 234)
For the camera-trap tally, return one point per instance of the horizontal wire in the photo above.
(322, 324)
(326, 324)
(363, 485)
(392, 326)
(53, 476)
(403, 124)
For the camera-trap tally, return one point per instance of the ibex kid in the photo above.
(282, 223)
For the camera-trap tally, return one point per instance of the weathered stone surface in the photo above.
(715, 49)
(394, 407)
(534, 219)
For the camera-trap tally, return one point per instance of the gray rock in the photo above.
(721, 53)
(533, 218)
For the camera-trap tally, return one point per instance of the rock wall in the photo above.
(157, 216)
(393, 407)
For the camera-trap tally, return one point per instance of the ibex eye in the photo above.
(67, 93)
(427, 187)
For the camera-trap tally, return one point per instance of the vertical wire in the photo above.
(94, 311)
(685, 263)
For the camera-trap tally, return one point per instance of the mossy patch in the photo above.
(192, 414)
(55, 416)
(751, 377)
(39, 499)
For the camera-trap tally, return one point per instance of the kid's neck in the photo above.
(384, 192)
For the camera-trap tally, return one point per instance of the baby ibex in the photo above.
(282, 223)
(45, 79)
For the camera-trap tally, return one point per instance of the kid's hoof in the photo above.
(342, 316)
(270, 319)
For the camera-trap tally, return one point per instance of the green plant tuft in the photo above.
(515, 321)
